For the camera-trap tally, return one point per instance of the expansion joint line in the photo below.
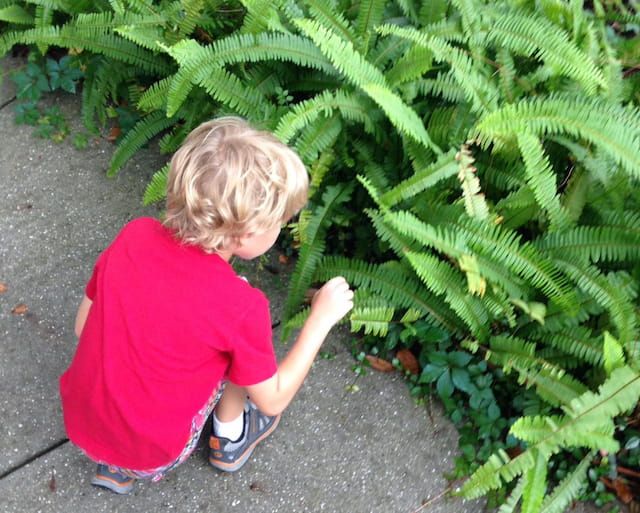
(33, 457)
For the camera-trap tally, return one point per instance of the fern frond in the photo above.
(578, 342)
(618, 394)
(568, 489)
(445, 86)
(344, 57)
(157, 188)
(374, 319)
(387, 51)
(318, 136)
(364, 75)
(369, 16)
(312, 249)
(478, 89)
(617, 240)
(474, 201)
(505, 246)
(449, 126)
(145, 130)
(16, 14)
(535, 484)
(260, 16)
(542, 181)
(552, 383)
(198, 62)
(433, 12)
(530, 35)
(398, 242)
(327, 13)
(391, 281)
(146, 37)
(229, 90)
(189, 14)
(351, 107)
(321, 167)
(613, 129)
(517, 208)
(442, 279)
(586, 414)
(543, 428)
(403, 117)
(510, 505)
(610, 292)
(155, 97)
(445, 167)
(109, 45)
(411, 66)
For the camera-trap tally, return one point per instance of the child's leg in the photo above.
(228, 417)
(231, 404)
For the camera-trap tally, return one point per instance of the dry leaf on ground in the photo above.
(3, 287)
(619, 486)
(408, 361)
(20, 309)
(379, 364)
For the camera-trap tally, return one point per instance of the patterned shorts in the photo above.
(197, 423)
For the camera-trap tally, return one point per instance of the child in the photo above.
(168, 331)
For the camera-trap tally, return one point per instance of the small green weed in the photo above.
(43, 75)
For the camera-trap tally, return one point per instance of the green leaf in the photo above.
(444, 385)
(459, 358)
(462, 381)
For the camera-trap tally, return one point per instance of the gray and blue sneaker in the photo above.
(229, 456)
(106, 477)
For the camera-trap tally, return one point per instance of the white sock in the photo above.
(231, 430)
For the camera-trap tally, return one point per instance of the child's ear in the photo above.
(245, 237)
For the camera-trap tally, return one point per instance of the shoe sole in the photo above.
(111, 484)
(236, 465)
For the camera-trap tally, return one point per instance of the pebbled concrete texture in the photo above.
(336, 450)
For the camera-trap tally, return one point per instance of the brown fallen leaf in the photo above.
(20, 309)
(408, 361)
(619, 486)
(283, 259)
(116, 131)
(380, 364)
(3, 287)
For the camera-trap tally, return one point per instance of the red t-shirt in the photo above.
(168, 322)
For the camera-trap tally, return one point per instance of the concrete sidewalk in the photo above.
(335, 450)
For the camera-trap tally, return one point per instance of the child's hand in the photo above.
(332, 302)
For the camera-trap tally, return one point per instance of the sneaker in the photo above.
(230, 456)
(108, 478)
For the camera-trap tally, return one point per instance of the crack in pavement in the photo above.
(33, 457)
(8, 102)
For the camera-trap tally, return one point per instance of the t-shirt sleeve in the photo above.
(252, 357)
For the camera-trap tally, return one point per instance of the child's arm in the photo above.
(330, 304)
(81, 316)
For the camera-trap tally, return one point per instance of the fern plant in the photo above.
(473, 165)
(542, 107)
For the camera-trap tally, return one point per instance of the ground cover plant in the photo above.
(474, 168)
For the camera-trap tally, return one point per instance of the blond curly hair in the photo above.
(229, 179)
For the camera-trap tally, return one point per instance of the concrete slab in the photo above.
(58, 209)
(335, 451)
(7, 89)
